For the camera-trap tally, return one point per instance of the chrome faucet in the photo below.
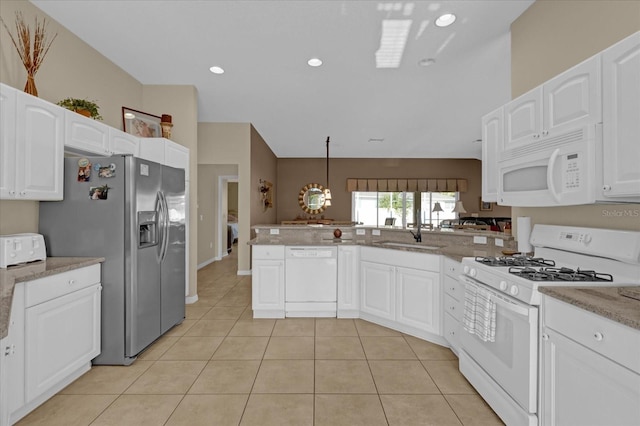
(417, 236)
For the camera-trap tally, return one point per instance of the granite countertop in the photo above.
(20, 273)
(603, 301)
(454, 252)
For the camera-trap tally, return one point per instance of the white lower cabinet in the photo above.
(453, 302)
(267, 281)
(378, 290)
(54, 333)
(348, 282)
(590, 372)
(401, 290)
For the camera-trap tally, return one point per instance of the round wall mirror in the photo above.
(311, 198)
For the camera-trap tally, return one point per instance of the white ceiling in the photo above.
(420, 112)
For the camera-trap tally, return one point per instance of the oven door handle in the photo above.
(500, 300)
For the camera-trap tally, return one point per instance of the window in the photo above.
(378, 208)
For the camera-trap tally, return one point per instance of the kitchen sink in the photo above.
(408, 245)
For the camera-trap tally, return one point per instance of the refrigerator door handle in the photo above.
(165, 226)
(161, 225)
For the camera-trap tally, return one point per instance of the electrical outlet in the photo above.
(375, 232)
(360, 232)
(499, 242)
(274, 231)
(479, 240)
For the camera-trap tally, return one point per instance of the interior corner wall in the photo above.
(550, 37)
(294, 173)
(72, 68)
(264, 165)
(230, 143)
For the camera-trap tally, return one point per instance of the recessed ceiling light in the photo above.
(426, 62)
(314, 62)
(216, 70)
(446, 20)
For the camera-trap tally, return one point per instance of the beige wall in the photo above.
(208, 175)
(550, 37)
(263, 166)
(71, 69)
(230, 143)
(294, 173)
(232, 196)
(74, 69)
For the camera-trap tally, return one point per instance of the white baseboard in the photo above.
(244, 272)
(190, 299)
(206, 262)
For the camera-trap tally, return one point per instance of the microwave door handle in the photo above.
(550, 167)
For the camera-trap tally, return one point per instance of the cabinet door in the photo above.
(572, 99)
(523, 119)
(123, 143)
(85, 135)
(348, 282)
(39, 149)
(377, 290)
(581, 387)
(152, 149)
(7, 142)
(621, 122)
(61, 335)
(268, 285)
(492, 144)
(13, 355)
(177, 155)
(418, 299)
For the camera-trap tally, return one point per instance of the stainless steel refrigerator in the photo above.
(131, 212)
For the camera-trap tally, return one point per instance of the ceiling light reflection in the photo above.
(446, 20)
(392, 42)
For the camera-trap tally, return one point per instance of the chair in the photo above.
(390, 221)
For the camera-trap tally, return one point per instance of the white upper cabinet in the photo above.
(85, 135)
(566, 102)
(621, 119)
(492, 142)
(177, 156)
(123, 143)
(523, 119)
(573, 99)
(31, 143)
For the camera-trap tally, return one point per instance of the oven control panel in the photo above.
(578, 237)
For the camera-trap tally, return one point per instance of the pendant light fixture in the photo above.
(327, 191)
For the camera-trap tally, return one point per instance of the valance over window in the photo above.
(408, 185)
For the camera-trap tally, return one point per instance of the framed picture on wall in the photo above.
(485, 206)
(141, 124)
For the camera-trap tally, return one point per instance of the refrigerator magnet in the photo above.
(106, 172)
(98, 192)
(84, 170)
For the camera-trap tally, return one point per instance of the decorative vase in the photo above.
(166, 129)
(30, 87)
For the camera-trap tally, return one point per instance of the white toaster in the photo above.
(21, 248)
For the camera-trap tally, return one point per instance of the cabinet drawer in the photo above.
(451, 327)
(613, 340)
(453, 307)
(451, 267)
(453, 288)
(268, 252)
(47, 288)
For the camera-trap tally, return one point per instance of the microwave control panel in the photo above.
(571, 172)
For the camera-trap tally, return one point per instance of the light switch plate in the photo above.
(479, 240)
(375, 232)
(499, 242)
(275, 231)
(360, 231)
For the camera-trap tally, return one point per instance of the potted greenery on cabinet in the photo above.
(82, 106)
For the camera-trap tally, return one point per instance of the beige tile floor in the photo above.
(222, 367)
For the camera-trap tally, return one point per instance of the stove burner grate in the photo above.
(514, 261)
(559, 274)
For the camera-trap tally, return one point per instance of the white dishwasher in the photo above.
(311, 281)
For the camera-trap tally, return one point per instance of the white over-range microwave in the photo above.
(558, 171)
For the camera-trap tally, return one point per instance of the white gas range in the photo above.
(504, 369)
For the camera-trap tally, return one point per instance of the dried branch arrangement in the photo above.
(31, 57)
